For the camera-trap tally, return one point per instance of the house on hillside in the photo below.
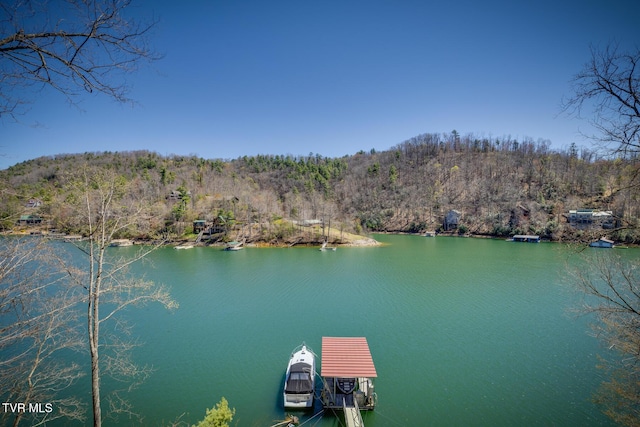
(33, 203)
(29, 220)
(451, 220)
(176, 195)
(586, 218)
(199, 225)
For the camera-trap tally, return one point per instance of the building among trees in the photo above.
(585, 218)
(451, 220)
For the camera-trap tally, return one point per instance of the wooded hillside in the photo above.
(500, 187)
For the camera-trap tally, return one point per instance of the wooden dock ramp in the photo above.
(352, 416)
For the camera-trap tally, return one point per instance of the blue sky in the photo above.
(335, 77)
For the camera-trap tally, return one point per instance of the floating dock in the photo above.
(121, 243)
(526, 238)
(602, 243)
(347, 375)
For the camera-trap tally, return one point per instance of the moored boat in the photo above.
(121, 243)
(299, 383)
(234, 246)
(183, 246)
(324, 247)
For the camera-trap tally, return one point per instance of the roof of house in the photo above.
(347, 357)
(30, 217)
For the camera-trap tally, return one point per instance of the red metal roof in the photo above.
(344, 357)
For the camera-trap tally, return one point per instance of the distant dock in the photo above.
(121, 243)
(526, 238)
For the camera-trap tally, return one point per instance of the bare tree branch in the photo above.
(39, 327)
(608, 90)
(103, 210)
(611, 285)
(72, 46)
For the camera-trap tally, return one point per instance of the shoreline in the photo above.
(356, 241)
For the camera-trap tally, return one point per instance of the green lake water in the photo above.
(463, 332)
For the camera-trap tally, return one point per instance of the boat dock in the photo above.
(347, 375)
(526, 238)
(352, 416)
(347, 379)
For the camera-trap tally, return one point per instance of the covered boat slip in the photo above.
(347, 373)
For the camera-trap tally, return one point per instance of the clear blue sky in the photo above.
(335, 76)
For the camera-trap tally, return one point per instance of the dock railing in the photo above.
(352, 415)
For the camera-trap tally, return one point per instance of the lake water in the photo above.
(462, 332)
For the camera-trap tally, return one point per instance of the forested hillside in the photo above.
(500, 187)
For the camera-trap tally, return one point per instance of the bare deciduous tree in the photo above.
(71, 46)
(38, 333)
(611, 285)
(105, 208)
(608, 90)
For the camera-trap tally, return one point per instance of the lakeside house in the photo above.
(586, 218)
(33, 203)
(451, 220)
(29, 220)
(176, 195)
(199, 225)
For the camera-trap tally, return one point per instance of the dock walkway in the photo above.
(352, 416)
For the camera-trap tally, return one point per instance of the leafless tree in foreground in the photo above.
(611, 285)
(608, 90)
(38, 334)
(104, 208)
(72, 46)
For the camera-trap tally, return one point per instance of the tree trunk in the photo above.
(94, 326)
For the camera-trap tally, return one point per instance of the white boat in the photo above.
(184, 246)
(324, 247)
(300, 379)
(234, 246)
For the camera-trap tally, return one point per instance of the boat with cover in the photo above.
(300, 379)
